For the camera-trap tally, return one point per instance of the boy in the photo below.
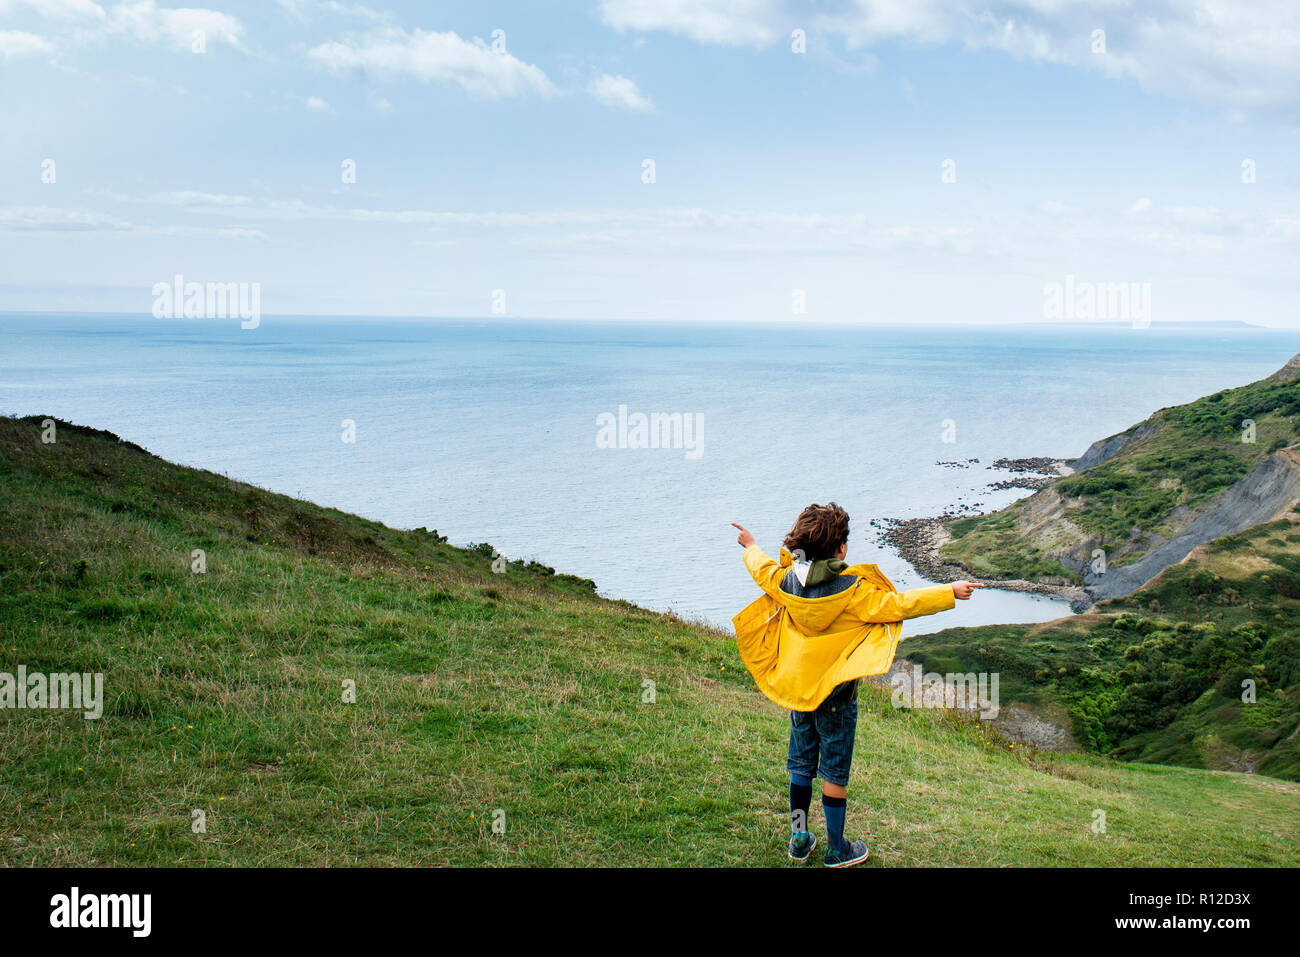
(819, 626)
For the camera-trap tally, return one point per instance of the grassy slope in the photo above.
(1156, 675)
(521, 691)
(1193, 452)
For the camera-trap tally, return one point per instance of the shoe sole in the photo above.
(811, 848)
(856, 860)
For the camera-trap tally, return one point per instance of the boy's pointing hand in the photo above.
(963, 589)
(745, 538)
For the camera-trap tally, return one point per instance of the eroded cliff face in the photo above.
(1049, 523)
(1104, 449)
(1262, 496)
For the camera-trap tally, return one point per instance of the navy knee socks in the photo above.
(800, 801)
(835, 809)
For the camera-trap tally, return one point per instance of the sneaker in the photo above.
(801, 846)
(855, 853)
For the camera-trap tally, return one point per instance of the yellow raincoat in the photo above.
(799, 649)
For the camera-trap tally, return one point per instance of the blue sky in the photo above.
(520, 168)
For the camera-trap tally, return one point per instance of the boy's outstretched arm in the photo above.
(882, 605)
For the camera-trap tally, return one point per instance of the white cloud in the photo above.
(304, 9)
(57, 9)
(18, 43)
(191, 197)
(1199, 220)
(50, 219)
(621, 92)
(437, 58)
(1242, 54)
(143, 20)
(146, 21)
(45, 218)
(728, 22)
(316, 105)
(1141, 228)
(223, 232)
(355, 10)
(295, 8)
(178, 197)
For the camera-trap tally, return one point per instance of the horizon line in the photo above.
(796, 320)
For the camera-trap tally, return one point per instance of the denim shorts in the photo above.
(822, 740)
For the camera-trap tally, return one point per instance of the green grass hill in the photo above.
(595, 731)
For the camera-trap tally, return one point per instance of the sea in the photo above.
(622, 452)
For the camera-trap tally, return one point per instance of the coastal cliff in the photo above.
(1135, 503)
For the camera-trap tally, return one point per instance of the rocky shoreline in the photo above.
(1041, 465)
(1031, 473)
(918, 540)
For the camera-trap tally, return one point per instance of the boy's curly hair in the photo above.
(819, 531)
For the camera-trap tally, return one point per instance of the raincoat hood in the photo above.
(813, 615)
(799, 648)
(818, 572)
